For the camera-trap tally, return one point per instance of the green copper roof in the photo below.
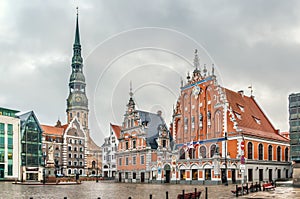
(77, 37)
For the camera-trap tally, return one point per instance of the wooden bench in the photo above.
(268, 186)
(192, 195)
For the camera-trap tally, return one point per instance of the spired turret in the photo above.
(77, 102)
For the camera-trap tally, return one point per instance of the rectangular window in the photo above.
(193, 122)
(10, 156)
(10, 142)
(1, 141)
(142, 159)
(134, 160)
(1, 128)
(120, 161)
(1, 156)
(133, 175)
(250, 175)
(10, 170)
(134, 144)
(127, 146)
(9, 129)
(126, 161)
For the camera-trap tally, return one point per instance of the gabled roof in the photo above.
(116, 129)
(250, 117)
(154, 122)
(24, 116)
(52, 130)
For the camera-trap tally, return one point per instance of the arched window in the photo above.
(249, 149)
(182, 154)
(286, 154)
(212, 150)
(270, 150)
(203, 151)
(260, 152)
(278, 153)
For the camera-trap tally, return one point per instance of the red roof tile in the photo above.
(253, 120)
(116, 129)
(52, 130)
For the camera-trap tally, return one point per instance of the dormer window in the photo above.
(257, 120)
(238, 116)
(241, 108)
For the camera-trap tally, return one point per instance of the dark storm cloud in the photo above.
(253, 42)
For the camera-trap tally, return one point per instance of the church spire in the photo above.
(77, 102)
(77, 37)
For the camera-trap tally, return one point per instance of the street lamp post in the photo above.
(97, 180)
(44, 170)
(226, 180)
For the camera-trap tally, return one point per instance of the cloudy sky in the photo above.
(150, 43)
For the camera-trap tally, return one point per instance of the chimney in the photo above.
(241, 92)
(159, 112)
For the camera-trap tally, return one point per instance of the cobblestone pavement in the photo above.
(110, 190)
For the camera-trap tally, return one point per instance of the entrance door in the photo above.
(270, 175)
(223, 176)
(167, 170)
(120, 177)
(261, 175)
(142, 177)
(1, 171)
(167, 176)
(233, 176)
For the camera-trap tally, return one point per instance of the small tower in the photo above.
(77, 102)
(131, 115)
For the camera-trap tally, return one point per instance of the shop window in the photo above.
(207, 174)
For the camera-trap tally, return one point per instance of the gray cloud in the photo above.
(255, 42)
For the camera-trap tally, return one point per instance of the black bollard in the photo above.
(129, 197)
(65, 197)
(247, 188)
(259, 186)
(182, 194)
(256, 190)
(150, 196)
(98, 198)
(167, 195)
(206, 193)
(195, 193)
(236, 191)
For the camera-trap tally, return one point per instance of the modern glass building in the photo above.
(9, 144)
(294, 120)
(31, 147)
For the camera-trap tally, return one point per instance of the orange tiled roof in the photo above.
(252, 119)
(116, 129)
(65, 126)
(52, 130)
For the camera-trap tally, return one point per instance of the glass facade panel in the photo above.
(10, 170)
(1, 128)
(9, 129)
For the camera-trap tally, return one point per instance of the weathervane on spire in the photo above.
(196, 59)
(251, 89)
(130, 89)
(77, 10)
